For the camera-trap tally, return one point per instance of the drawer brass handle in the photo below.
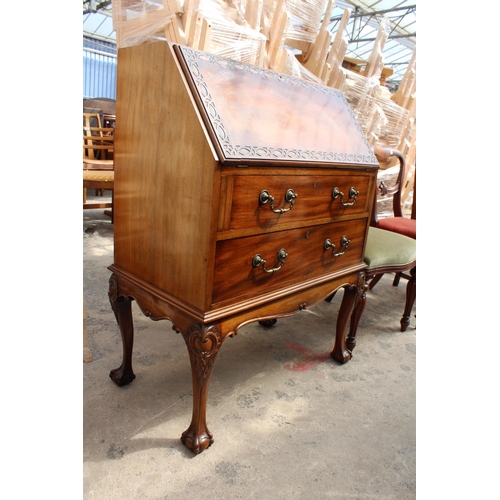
(344, 242)
(353, 193)
(289, 198)
(259, 261)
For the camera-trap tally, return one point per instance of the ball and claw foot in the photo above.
(341, 357)
(197, 443)
(121, 377)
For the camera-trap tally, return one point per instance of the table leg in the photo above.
(357, 312)
(341, 352)
(122, 307)
(203, 343)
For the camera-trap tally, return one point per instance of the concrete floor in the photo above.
(288, 421)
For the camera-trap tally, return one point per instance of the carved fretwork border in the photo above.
(230, 150)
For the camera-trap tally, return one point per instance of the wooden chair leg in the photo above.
(110, 213)
(397, 277)
(375, 280)
(411, 293)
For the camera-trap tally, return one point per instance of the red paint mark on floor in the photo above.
(310, 359)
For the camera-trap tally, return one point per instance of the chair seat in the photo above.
(386, 248)
(93, 164)
(99, 175)
(400, 225)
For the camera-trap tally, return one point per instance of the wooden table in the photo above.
(240, 195)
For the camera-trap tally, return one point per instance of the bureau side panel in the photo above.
(164, 178)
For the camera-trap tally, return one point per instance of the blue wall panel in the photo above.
(99, 69)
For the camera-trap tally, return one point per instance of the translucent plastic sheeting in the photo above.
(305, 17)
(141, 21)
(244, 45)
(384, 203)
(361, 94)
(392, 126)
(221, 9)
(375, 63)
(231, 36)
(145, 21)
(408, 86)
(381, 119)
(292, 67)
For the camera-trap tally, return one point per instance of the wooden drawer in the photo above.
(314, 198)
(235, 275)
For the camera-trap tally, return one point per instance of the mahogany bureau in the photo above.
(240, 195)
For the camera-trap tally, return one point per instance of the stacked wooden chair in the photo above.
(98, 163)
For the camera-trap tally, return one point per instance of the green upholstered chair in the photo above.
(387, 252)
(397, 223)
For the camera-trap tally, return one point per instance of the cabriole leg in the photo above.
(203, 344)
(122, 307)
(355, 317)
(340, 352)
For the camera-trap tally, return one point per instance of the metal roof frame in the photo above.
(363, 26)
